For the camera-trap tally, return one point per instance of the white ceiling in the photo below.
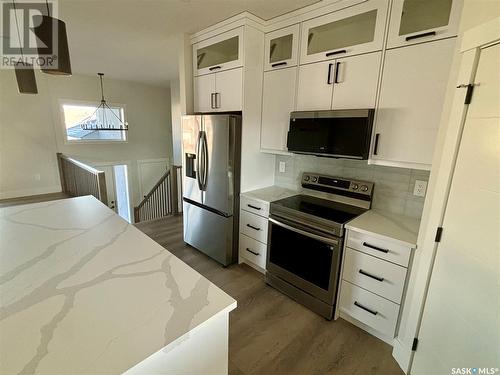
(137, 39)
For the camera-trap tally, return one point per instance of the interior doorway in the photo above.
(117, 188)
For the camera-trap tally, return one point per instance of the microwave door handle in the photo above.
(330, 241)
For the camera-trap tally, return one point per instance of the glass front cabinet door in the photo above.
(417, 21)
(281, 48)
(351, 31)
(221, 52)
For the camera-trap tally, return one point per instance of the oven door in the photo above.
(304, 257)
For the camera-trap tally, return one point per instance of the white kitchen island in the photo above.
(84, 292)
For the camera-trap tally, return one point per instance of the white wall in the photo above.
(31, 130)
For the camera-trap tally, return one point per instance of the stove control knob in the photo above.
(364, 188)
(354, 186)
(314, 179)
(307, 178)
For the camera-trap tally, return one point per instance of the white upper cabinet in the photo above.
(354, 30)
(221, 52)
(417, 21)
(411, 100)
(277, 103)
(219, 92)
(315, 86)
(281, 48)
(204, 92)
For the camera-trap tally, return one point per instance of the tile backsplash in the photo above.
(393, 186)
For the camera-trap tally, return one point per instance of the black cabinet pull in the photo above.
(337, 66)
(375, 247)
(370, 275)
(215, 67)
(253, 252)
(278, 64)
(329, 79)
(356, 303)
(251, 226)
(423, 35)
(254, 207)
(336, 52)
(375, 147)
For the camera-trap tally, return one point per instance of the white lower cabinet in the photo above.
(253, 250)
(278, 101)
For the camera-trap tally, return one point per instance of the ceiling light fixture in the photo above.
(102, 118)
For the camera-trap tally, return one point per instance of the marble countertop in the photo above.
(270, 194)
(84, 292)
(388, 226)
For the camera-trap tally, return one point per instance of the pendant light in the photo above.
(44, 31)
(25, 75)
(99, 120)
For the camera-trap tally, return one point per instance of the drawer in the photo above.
(254, 206)
(253, 226)
(370, 309)
(379, 248)
(378, 276)
(253, 250)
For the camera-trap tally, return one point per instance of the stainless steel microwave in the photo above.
(337, 134)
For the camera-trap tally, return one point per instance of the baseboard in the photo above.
(402, 354)
(30, 192)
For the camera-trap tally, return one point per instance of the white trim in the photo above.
(30, 192)
(481, 35)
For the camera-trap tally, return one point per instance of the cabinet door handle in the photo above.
(423, 35)
(373, 312)
(217, 100)
(251, 226)
(336, 52)
(370, 275)
(337, 66)
(329, 79)
(215, 67)
(278, 64)
(375, 147)
(366, 244)
(254, 207)
(212, 105)
(253, 252)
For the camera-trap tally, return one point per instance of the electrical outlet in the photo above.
(282, 167)
(420, 188)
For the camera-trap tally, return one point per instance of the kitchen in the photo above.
(329, 162)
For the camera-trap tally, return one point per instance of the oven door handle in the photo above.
(330, 241)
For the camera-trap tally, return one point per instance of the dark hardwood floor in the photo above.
(271, 334)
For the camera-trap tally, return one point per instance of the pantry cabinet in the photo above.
(417, 21)
(219, 92)
(345, 83)
(411, 100)
(281, 48)
(354, 30)
(278, 101)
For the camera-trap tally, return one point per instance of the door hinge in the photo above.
(439, 233)
(414, 345)
(468, 94)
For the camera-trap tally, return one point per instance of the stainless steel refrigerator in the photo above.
(211, 184)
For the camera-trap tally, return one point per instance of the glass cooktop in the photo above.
(333, 211)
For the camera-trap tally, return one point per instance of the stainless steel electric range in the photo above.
(306, 236)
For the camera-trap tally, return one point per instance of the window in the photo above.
(75, 115)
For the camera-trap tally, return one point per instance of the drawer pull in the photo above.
(423, 35)
(251, 226)
(365, 308)
(254, 207)
(253, 252)
(366, 244)
(370, 275)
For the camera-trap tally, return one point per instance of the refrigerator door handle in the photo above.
(205, 161)
(198, 160)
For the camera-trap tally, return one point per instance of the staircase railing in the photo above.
(78, 179)
(164, 198)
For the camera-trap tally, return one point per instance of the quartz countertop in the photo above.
(270, 194)
(84, 292)
(388, 226)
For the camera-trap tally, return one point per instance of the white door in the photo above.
(110, 185)
(461, 320)
(229, 90)
(356, 81)
(315, 86)
(277, 103)
(204, 90)
(411, 101)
